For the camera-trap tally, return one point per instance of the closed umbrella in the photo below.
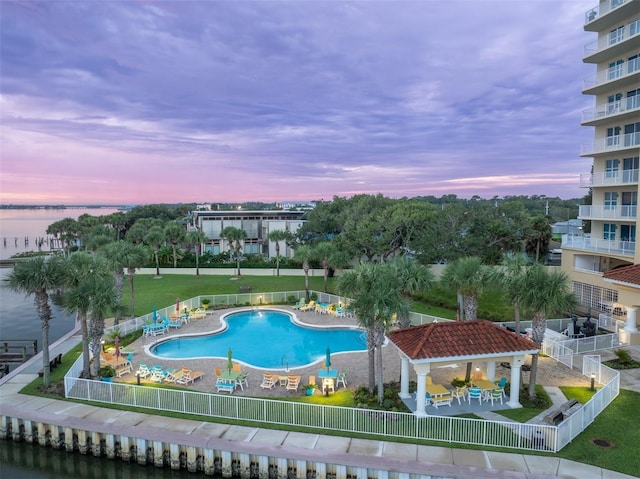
(229, 360)
(155, 315)
(177, 305)
(327, 361)
(117, 344)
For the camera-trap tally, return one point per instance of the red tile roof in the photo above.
(459, 338)
(626, 274)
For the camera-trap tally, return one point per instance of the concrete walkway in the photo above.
(446, 460)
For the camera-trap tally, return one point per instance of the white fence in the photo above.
(584, 416)
(323, 418)
(371, 422)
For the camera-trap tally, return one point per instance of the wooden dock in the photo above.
(17, 350)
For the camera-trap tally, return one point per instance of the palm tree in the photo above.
(37, 276)
(277, 236)
(330, 256)
(84, 276)
(155, 239)
(467, 276)
(543, 293)
(414, 277)
(103, 300)
(303, 254)
(174, 234)
(377, 292)
(509, 276)
(196, 238)
(234, 236)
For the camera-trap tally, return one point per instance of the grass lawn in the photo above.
(619, 424)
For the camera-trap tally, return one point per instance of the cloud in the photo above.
(267, 100)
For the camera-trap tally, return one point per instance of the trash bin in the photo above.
(537, 439)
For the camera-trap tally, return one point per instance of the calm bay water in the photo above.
(19, 320)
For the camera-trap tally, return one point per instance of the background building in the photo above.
(588, 259)
(256, 224)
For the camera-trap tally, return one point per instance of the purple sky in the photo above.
(134, 102)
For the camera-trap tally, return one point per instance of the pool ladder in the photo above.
(285, 362)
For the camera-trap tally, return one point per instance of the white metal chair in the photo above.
(494, 395)
(475, 393)
(459, 393)
(342, 378)
(328, 383)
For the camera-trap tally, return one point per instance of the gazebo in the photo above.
(452, 342)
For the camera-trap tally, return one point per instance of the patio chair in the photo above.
(268, 381)
(293, 382)
(342, 378)
(428, 381)
(217, 372)
(494, 395)
(143, 371)
(475, 393)
(460, 393)
(158, 374)
(299, 304)
(328, 383)
(123, 369)
(242, 380)
(309, 306)
(173, 376)
(427, 399)
(503, 381)
(236, 368)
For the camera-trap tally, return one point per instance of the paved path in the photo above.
(480, 463)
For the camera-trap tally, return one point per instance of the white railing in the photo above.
(584, 416)
(618, 212)
(594, 244)
(602, 9)
(611, 178)
(320, 417)
(614, 38)
(611, 74)
(611, 144)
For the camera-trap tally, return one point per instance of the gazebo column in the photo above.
(516, 370)
(421, 394)
(404, 378)
(491, 370)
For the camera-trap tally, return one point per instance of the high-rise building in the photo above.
(603, 262)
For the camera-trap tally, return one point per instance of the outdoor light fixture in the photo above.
(103, 346)
(593, 380)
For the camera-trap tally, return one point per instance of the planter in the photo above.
(309, 391)
(106, 379)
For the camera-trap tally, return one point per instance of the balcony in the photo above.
(624, 75)
(601, 212)
(609, 178)
(617, 110)
(608, 13)
(614, 44)
(611, 144)
(588, 243)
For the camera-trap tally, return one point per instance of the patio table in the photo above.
(328, 373)
(485, 384)
(229, 376)
(436, 390)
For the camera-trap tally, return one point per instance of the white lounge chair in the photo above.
(268, 381)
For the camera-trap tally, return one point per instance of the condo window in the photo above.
(616, 35)
(611, 168)
(610, 200)
(609, 231)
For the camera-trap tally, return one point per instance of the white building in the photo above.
(615, 119)
(256, 224)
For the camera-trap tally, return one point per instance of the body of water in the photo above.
(16, 225)
(300, 346)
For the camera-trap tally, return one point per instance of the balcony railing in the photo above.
(598, 245)
(602, 9)
(614, 38)
(618, 212)
(613, 73)
(611, 143)
(611, 109)
(609, 178)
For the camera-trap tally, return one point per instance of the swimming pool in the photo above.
(266, 339)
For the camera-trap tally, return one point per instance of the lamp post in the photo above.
(593, 381)
(138, 378)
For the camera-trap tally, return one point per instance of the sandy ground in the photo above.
(550, 373)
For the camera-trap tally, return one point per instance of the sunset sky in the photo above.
(132, 102)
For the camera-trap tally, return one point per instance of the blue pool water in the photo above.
(265, 339)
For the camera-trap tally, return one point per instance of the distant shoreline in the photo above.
(57, 207)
